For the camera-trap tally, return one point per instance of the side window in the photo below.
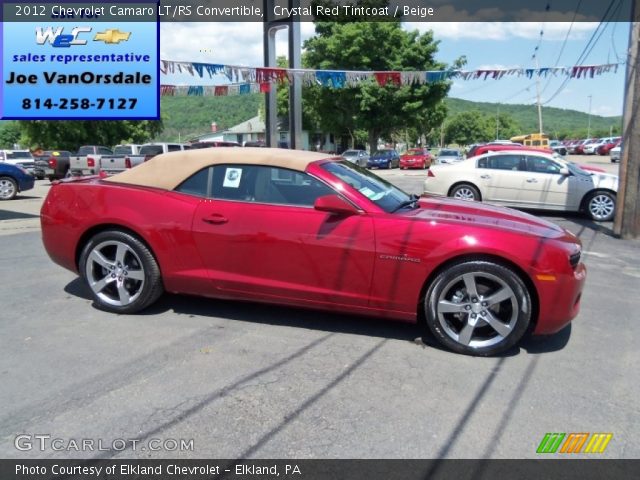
(197, 184)
(483, 162)
(173, 148)
(506, 162)
(542, 165)
(263, 184)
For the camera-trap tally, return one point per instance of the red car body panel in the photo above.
(372, 263)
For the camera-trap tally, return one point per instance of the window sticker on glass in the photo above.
(367, 192)
(232, 178)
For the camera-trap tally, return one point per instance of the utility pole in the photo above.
(498, 122)
(538, 95)
(589, 118)
(627, 221)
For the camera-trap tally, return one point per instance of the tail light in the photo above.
(127, 162)
(91, 162)
(53, 163)
(430, 173)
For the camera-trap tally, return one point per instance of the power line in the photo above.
(564, 43)
(588, 48)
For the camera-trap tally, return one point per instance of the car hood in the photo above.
(443, 209)
(605, 180)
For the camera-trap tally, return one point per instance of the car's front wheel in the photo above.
(465, 191)
(8, 188)
(121, 272)
(478, 308)
(601, 206)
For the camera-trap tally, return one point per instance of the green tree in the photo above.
(70, 134)
(506, 126)
(466, 128)
(353, 44)
(9, 134)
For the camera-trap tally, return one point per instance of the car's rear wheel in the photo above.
(465, 191)
(601, 206)
(121, 272)
(8, 188)
(478, 308)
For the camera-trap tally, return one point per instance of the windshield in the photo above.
(123, 150)
(448, 153)
(18, 155)
(384, 194)
(151, 150)
(350, 153)
(414, 151)
(382, 153)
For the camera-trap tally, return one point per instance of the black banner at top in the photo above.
(568, 469)
(327, 10)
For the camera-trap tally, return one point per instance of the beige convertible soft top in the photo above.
(169, 170)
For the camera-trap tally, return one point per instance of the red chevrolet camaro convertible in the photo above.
(302, 229)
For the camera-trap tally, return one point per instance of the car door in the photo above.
(544, 186)
(500, 176)
(259, 236)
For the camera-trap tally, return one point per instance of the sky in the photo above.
(486, 45)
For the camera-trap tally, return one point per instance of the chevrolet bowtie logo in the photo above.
(112, 36)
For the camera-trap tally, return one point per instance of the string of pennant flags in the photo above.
(246, 80)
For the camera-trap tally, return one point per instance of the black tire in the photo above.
(601, 205)
(8, 188)
(113, 285)
(450, 291)
(465, 191)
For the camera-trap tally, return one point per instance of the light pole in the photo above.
(498, 122)
(589, 119)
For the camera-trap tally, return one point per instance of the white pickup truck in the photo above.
(118, 163)
(113, 164)
(87, 160)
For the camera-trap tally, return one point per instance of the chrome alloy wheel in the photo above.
(601, 206)
(464, 193)
(115, 273)
(7, 189)
(477, 309)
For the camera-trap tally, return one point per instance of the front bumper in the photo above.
(559, 300)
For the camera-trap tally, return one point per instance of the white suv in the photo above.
(22, 158)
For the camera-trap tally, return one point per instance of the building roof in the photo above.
(169, 170)
(253, 125)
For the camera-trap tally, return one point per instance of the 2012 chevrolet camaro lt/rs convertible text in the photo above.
(304, 229)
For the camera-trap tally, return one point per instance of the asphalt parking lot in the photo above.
(241, 380)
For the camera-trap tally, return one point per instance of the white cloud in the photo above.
(241, 43)
(555, 31)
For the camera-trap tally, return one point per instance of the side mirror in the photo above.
(565, 171)
(334, 204)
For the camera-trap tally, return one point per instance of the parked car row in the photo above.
(592, 146)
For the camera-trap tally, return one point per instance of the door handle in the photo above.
(485, 176)
(532, 180)
(215, 219)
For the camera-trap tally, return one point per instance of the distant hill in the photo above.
(188, 116)
(555, 121)
(185, 117)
